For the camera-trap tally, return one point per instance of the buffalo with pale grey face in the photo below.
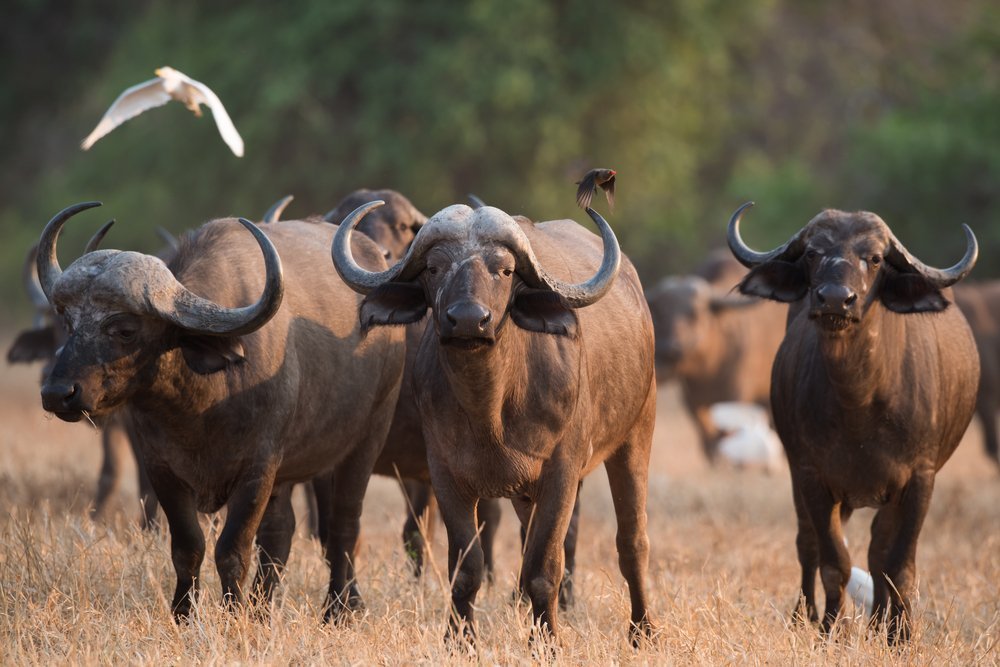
(872, 389)
(536, 368)
(230, 403)
(718, 344)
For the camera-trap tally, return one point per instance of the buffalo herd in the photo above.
(476, 355)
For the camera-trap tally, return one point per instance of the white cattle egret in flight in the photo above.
(169, 84)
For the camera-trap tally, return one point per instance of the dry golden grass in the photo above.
(723, 572)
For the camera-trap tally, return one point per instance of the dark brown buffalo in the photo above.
(231, 404)
(40, 344)
(980, 303)
(718, 345)
(872, 389)
(392, 228)
(525, 384)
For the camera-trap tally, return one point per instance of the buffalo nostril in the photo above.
(849, 301)
(820, 297)
(485, 320)
(74, 392)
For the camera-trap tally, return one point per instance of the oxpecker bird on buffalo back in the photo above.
(872, 390)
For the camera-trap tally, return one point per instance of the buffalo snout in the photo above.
(836, 299)
(65, 399)
(467, 319)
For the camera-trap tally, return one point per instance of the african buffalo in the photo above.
(718, 345)
(525, 383)
(872, 389)
(980, 303)
(40, 344)
(230, 403)
(392, 228)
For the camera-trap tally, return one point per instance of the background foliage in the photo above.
(699, 104)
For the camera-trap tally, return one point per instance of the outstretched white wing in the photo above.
(202, 94)
(129, 104)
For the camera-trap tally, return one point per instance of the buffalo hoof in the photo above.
(340, 612)
(803, 614)
(566, 597)
(642, 633)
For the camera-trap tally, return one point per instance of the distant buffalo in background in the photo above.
(717, 343)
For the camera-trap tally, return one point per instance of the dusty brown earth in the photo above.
(723, 572)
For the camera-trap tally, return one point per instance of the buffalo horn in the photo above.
(198, 315)
(46, 260)
(274, 213)
(29, 274)
(901, 259)
(95, 241)
(751, 258)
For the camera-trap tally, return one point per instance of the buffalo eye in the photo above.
(811, 254)
(433, 270)
(876, 260)
(507, 272)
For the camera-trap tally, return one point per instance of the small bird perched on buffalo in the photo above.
(596, 178)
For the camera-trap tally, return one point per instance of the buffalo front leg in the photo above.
(544, 557)
(896, 580)
(234, 549)
(187, 542)
(465, 553)
(834, 561)
(808, 552)
(274, 540)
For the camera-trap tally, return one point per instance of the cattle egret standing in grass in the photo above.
(169, 84)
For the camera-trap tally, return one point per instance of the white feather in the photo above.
(170, 84)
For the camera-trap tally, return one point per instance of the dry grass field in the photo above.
(723, 572)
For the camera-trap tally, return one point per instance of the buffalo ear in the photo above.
(32, 345)
(776, 280)
(393, 303)
(911, 293)
(542, 311)
(210, 354)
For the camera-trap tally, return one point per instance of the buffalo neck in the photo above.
(487, 381)
(858, 363)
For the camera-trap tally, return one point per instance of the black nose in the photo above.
(60, 396)
(468, 318)
(836, 297)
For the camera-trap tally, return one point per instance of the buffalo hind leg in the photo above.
(420, 504)
(628, 475)
(234, 549)
(566, 597)
(187, 542)
(350, 480)
(465, 554)
(488, 516)
(322, 486)
(274, 541)
(113, 448)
